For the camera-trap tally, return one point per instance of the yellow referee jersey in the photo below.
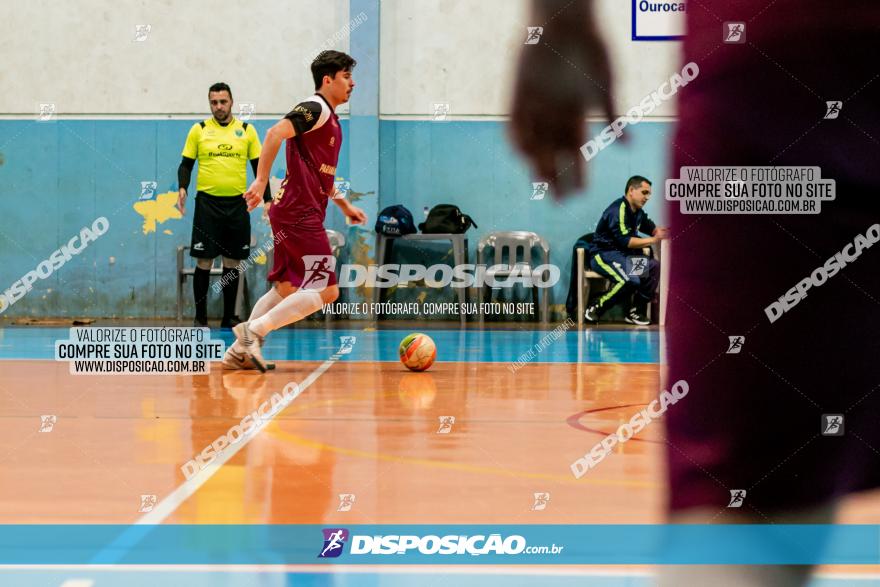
(223, 153)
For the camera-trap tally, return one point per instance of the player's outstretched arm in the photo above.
(559, 80)
(281, 130)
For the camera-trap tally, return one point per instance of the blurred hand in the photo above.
(559, 81)
(181, 201)
(254, 195)
(356, 215)
(661, 233)
(265, 215)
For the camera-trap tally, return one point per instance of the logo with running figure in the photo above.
(148, 190)
(832, 110)
(735, 344)
(148, 502)
(46, 112)
(246, 110)
(539, 190)
(734, 32)
(737, 497)
(141, 32)
(446, 423)
(318, 269)
(832, 424)
(346, 344)
(441, 111)
(541, 501)
(334, 540)
(343, 189)
(47, 422)
(346, 501)
(533, 34)
(637, 265)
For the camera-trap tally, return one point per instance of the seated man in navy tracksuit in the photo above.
(616, 253)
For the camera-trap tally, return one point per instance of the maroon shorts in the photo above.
(302, 256)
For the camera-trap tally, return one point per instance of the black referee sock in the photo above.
(640, 304)
(200, 293)
(230, 291)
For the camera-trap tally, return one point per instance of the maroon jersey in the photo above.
(311, 165)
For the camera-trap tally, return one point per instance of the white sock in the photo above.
(268, 301)
(289, 310)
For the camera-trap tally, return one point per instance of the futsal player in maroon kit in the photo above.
(753, 420)
(301, 270)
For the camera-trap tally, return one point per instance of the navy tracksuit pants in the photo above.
(635, 275)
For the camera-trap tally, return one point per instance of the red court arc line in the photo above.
(574, 421)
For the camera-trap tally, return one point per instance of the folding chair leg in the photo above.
(181, 282)
(581, 294)
(545, 305)
(376, 293)
(458, 259)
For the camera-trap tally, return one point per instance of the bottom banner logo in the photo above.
(334, 540)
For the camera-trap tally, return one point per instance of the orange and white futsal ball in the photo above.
(417, 351)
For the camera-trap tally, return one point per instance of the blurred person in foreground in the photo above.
(753, 420)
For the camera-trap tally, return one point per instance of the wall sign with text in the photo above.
(658, 20)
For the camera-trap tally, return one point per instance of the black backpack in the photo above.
(395, 221)
(446, 218)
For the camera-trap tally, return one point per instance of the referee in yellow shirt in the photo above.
(222, 145)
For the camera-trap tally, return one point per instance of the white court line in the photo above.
(113, 551)
(174, 499)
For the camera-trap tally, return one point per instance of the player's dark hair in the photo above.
(220, 87)
(634, 182)
(329, 63)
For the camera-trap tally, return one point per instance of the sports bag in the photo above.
(446, 218)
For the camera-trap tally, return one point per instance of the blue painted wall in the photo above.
(57, 177)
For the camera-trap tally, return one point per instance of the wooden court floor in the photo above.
(368, 428)
(363, 426)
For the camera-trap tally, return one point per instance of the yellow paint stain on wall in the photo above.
(166, 231)
(158, 210)
(260, 259)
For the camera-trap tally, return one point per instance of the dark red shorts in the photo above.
(302, 256)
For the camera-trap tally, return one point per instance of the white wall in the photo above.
(81, 54)
(463, 52)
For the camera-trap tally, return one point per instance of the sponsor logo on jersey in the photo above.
(306, 113)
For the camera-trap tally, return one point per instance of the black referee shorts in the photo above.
(221, 226)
